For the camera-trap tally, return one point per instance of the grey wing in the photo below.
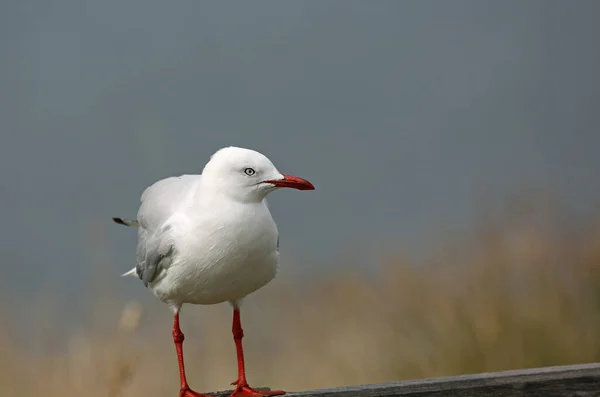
(155, 248)
(159, 200)
(155, 252)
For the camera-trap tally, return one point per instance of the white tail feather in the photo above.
(132, 272)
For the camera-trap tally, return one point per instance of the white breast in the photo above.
(221, 256)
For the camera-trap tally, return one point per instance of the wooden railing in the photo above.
(575, 380)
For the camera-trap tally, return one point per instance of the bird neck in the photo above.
(218, 190)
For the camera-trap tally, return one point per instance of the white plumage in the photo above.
(210, 238)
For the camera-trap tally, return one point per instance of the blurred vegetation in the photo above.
(523, 290)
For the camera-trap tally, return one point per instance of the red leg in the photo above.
(242, 388)
(178, 338)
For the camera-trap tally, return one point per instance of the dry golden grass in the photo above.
(523, 291)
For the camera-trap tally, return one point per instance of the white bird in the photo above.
(210, 238)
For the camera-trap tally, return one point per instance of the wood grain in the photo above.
(574, 380)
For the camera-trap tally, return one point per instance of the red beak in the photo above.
(293, 182)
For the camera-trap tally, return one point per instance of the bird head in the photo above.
(247, 175)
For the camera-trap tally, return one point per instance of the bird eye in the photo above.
(249, 171)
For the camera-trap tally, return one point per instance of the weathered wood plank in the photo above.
(564, 381)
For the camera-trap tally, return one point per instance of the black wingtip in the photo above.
(120, 221)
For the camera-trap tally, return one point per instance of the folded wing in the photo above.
(155, 248)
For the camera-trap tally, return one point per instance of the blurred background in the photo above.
(454, 147)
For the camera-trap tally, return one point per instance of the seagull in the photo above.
(210, 238)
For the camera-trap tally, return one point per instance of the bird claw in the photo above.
(247, 391)
(191, 393)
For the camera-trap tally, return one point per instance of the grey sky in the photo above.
(397, 111)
